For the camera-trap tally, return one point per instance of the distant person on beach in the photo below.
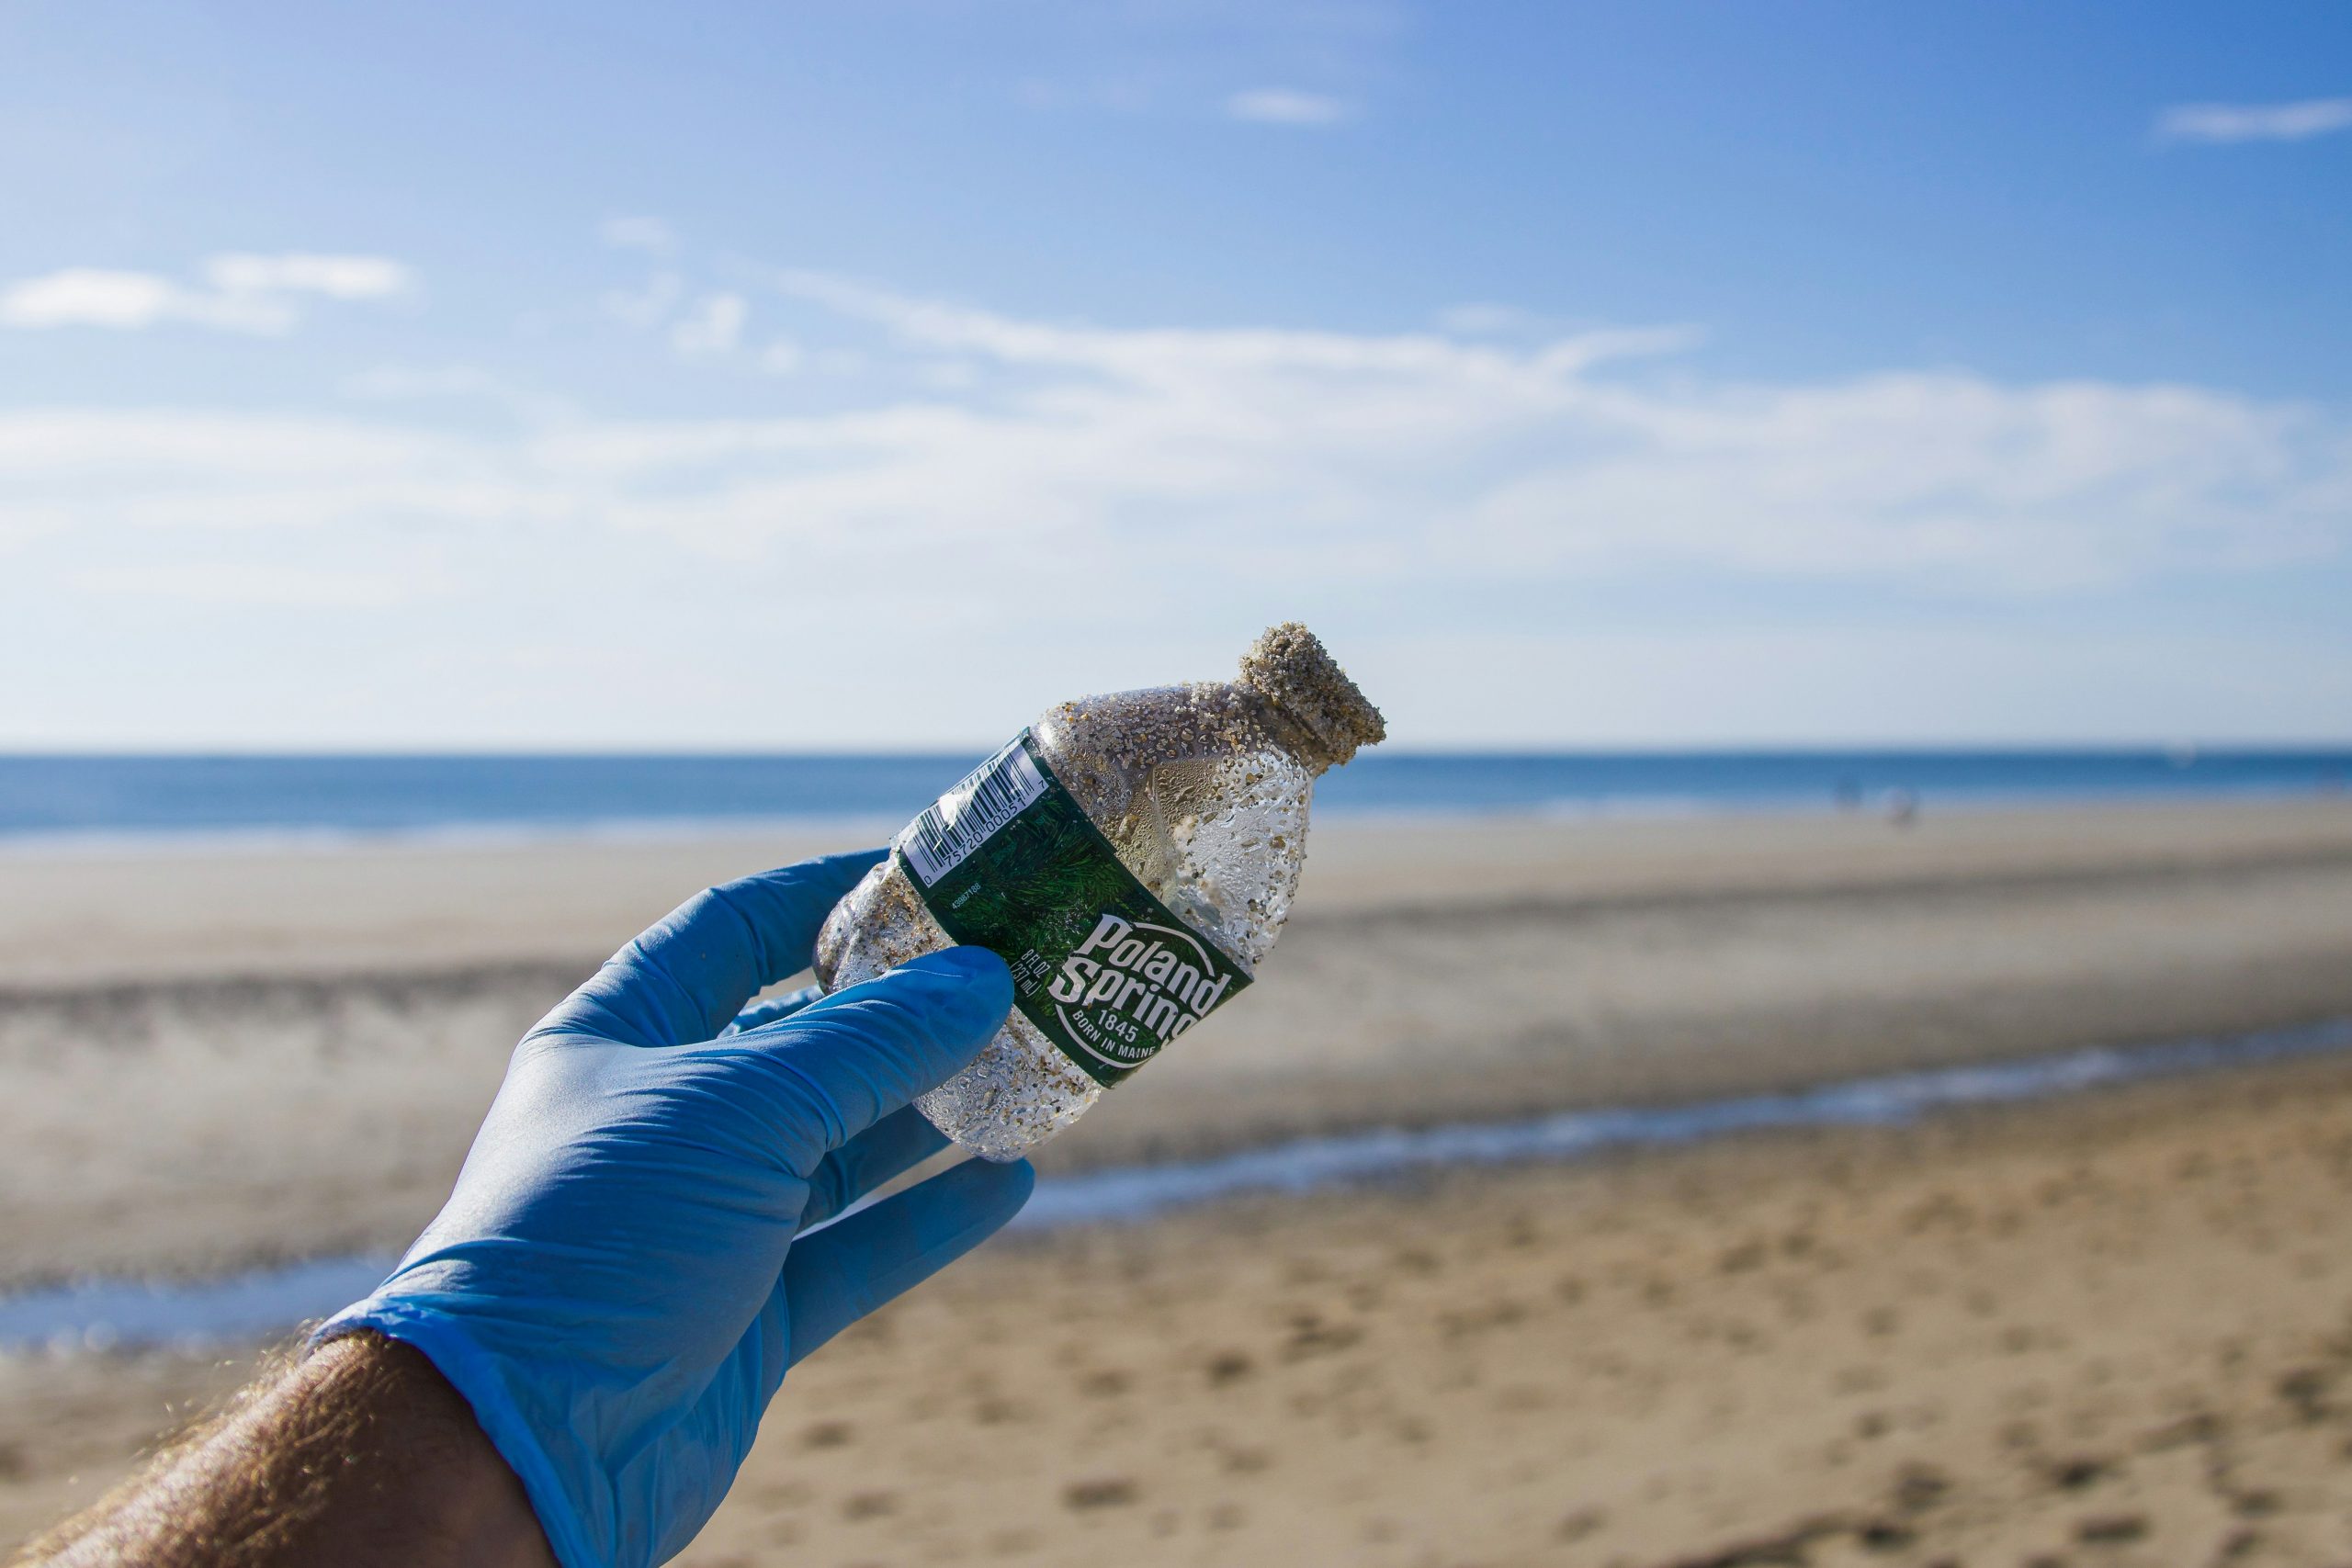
(572, 1361)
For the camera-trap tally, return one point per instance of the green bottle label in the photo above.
(1008, 860)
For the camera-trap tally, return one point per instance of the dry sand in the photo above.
(2108, 1331)
(2104, 1331)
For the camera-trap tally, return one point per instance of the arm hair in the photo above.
(359, 1453)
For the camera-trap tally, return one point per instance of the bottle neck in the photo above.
(1295, 739)
(1321, 714)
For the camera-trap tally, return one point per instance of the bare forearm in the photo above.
(361, 1454)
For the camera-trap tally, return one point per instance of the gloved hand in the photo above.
(615, 1286)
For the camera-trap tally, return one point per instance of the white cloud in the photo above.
(1286, 105)
(88, 296)
(129, 301)
(303, 272)
(1440, 506)
(714, 327)
(247, 293)
(2230, 123)
(1395, 463)
(1934, 477)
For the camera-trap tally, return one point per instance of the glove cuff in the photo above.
(476, 1376)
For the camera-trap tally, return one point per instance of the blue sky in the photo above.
(872, 374)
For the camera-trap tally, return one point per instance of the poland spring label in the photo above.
(1008, 860)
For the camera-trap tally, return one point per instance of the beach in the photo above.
(2106, 1328)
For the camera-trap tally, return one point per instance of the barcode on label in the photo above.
(963, 819)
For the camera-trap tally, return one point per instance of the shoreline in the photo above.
(872, 828)
(113, 1316)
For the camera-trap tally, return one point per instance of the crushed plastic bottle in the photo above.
(1131, 857)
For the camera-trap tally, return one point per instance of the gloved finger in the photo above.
(839, 1274)
(844, 1062)
(683, 979)
(891, 1147)
(771, 1011)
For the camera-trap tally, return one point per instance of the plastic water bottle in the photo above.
(1131, 857)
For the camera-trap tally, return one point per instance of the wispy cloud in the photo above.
(242, 292)
(1416, 458)
(125, 302)
(652, 235)
(260, 583)
(303, 272)
(1481, 318)
(456, 383)
(714, 327)
(2230, 123)
(647, 306)
(1286, 105)
(1435, 502)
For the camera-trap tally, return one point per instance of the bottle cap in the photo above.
(1290, 669)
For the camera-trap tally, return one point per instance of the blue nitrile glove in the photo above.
(615, 1286)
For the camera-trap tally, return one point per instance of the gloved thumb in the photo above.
(869, 1049)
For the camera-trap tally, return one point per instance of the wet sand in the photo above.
(215, 1059)
(2109, 1330)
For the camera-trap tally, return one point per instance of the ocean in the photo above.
(53, 798)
